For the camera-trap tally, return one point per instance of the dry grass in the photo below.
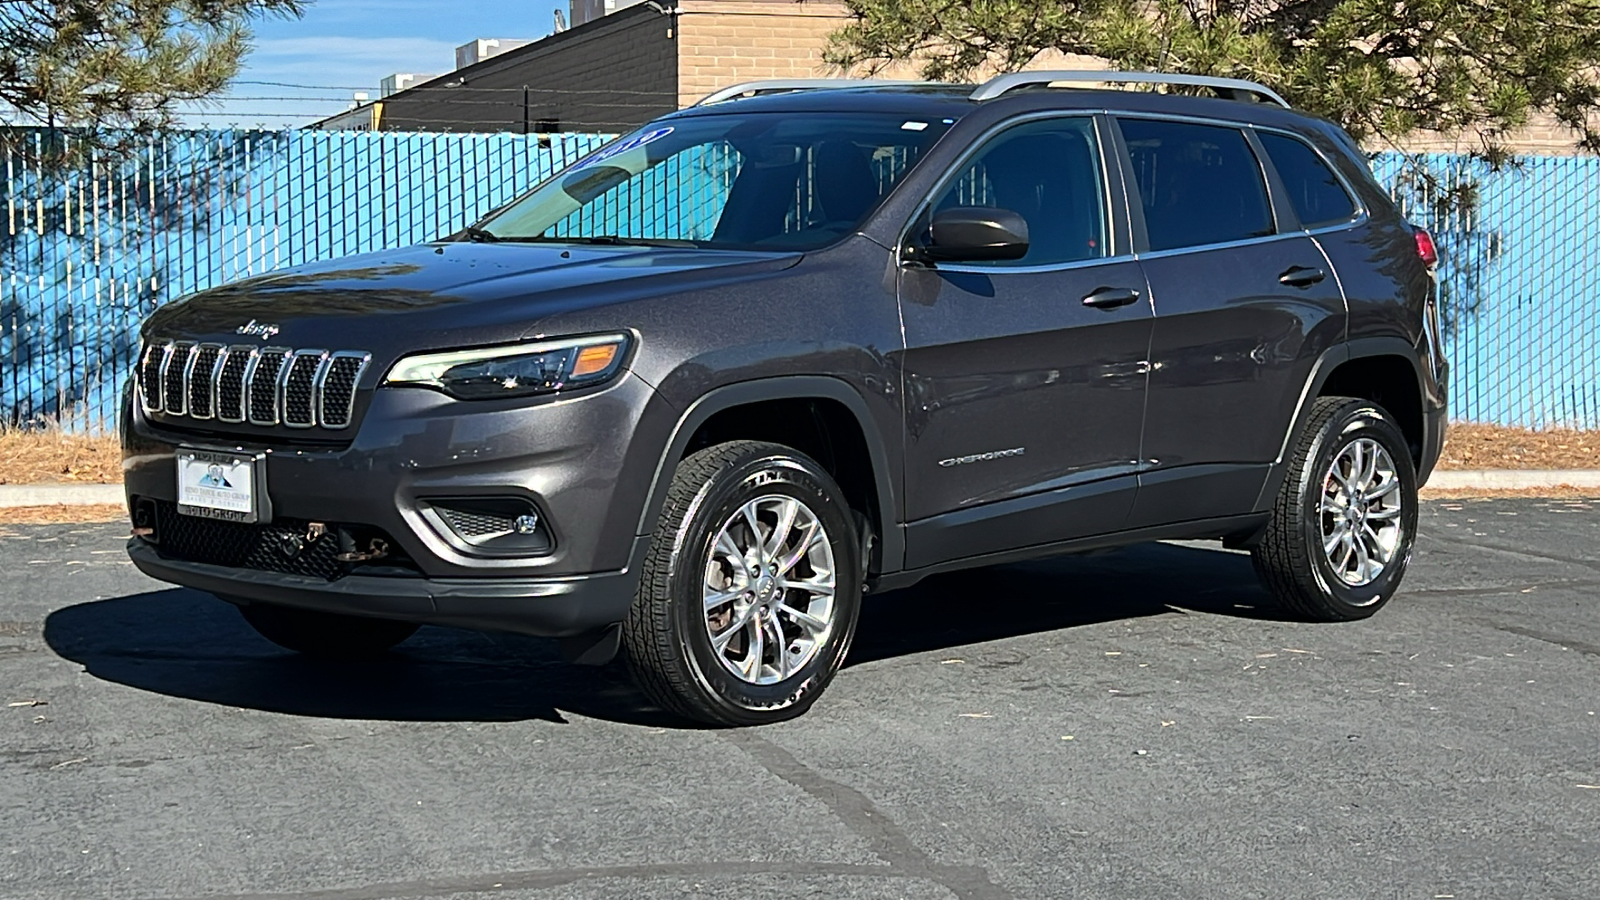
(50, 456)
(1470, 446)
(60, 514)
(53, 456)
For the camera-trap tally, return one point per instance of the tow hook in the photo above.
(377, 548)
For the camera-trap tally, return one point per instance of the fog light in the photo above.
(494, 526)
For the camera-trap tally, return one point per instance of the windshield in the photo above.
(754, 181)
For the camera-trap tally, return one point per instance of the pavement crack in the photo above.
(863, 818)
(1515, 551)
(1584, 647)
(1504, 589)
(535, 879)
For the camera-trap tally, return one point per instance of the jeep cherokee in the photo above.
(695, 395)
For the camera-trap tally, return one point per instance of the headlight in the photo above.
(515, 370)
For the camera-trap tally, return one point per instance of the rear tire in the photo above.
(1345, 520)
(325, 635)
(748, 598)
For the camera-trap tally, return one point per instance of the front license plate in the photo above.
(219, 484)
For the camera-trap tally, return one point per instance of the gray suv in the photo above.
(696, 395)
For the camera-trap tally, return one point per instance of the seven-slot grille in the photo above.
(259, 385)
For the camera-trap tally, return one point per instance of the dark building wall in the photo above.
(609, 75)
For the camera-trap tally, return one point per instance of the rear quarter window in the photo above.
(1318, 196)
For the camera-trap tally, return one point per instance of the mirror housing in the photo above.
(975, 234)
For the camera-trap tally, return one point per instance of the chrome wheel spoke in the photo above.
(715, 599)
(1384, 489)
(1332, 541)
(787, 510)
(809, 538)
(1382, 514)
(812, 625)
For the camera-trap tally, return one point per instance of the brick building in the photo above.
(615, 71)
(635, 60)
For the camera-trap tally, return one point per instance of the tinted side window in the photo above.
(1048, 172)
(1199, 184)
(1317, 195)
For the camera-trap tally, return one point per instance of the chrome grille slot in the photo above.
(263, 386)
(336, 390)
(263, 382)
(231, 372)
(199, 376)
(299, 381)
(150, 377)
(172, 369)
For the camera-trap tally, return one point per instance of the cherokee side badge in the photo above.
(981, 457)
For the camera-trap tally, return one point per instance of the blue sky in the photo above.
(341, 46)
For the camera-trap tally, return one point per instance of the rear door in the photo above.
(1244, 303)
(1024, 404)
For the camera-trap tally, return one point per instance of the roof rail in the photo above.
(755, 88)
(1227, 88)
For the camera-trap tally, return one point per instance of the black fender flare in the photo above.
(786, 387)
(1331, 359)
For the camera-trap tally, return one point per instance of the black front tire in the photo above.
(325, 635)
(666, 639)
(1291, 559)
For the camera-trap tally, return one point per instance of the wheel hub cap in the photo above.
(1361, 508)
(768, 589)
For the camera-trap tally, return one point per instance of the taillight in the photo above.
(1426, 251)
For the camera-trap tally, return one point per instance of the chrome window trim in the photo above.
(318, 395)
(976, 145)
(166, 377)
(250, 378)
(1361, 211)
(283, 387)
(1035, 270)
(1221, 245)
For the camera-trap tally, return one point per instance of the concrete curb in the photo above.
(1513, 479)
(59, 494)
(1451, 479)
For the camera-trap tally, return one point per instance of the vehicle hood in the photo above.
(443, 295)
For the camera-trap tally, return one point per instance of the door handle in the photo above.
(1302, 276)
(1110, 298)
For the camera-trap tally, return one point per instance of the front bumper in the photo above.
(548, 607)
(585, 463)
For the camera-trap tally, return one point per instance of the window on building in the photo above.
(1198, 184)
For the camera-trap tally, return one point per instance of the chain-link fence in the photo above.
(89, 247)
(88, 250)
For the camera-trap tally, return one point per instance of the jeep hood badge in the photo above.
(258, 329)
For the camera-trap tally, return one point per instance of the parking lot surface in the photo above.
(1132, 724)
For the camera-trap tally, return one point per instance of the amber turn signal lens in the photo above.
(595, 359)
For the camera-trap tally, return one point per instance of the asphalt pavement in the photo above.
(1134, 724)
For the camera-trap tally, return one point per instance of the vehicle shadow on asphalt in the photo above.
(185, 643)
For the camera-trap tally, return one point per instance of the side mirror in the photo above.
(975, 234)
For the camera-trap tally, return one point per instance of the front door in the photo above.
(1024, 402)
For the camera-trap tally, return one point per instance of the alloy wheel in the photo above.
(769, 589)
